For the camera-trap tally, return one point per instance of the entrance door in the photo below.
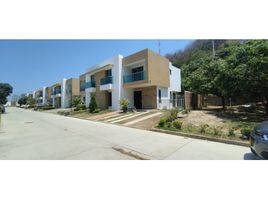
(138, 99)
(110, 99)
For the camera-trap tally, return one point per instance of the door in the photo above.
(138, 99)
(110, 99)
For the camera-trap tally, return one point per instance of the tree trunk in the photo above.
(223, 103)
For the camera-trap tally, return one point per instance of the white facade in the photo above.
(59, 97)
(119, 92)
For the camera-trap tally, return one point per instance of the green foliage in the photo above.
(172, 115)
(93, 106)
(239, 68)
(124, 102)
(5, 91)
(76, 100)
(47, 107)
(22, 101)
(177, 124)
(162, 122)
(231, 132)
(245, 131)
(81, 107)
(31, 101)
(203, 128)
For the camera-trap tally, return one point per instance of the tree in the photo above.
(22, 100)
(31, 101)
(5, 90)
(93, 106)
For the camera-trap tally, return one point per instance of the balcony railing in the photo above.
(90, 84)
(138, 76)
(82, 86)
(106, 80)
(57, 91)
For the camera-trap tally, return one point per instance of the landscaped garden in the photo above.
(231, 124)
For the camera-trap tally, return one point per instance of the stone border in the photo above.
(202, 137)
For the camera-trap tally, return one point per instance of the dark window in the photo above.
(170, 72)
(84, 99)
(137, 69)
(159, 96)
(92, 78)
(108, 73)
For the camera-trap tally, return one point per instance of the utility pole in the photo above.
(213, 49)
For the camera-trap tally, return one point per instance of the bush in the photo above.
(177, 124)
(96, 111)
(216, 131)
(66, 113)
(93, 104)
(162, 122)
(76, 100)
(231, 132)
(48, 108)
(173, 115)
(81, 107)
(203, 128)
(245, 131)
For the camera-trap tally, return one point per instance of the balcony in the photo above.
(138, 76)
(57, 92)
(106, 83)
(82, 86)
(106, 80)
(90, 86)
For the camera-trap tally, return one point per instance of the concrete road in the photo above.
(34, 135)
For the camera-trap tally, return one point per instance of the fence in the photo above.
(172, 103)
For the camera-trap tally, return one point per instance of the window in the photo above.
(108, 73)
(84, 99)
(170, 72)
(159, 96)
(137, 69)
(92, 78)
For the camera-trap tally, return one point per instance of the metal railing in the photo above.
(57, 91)
(82, 86)
(90, 84)
(138, 76)
(106, 80)
(172, 103)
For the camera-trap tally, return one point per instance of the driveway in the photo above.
(31, 135)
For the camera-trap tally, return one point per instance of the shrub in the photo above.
(48, 108)
(93, 106)
(81, 107)
(177, 124)
(231, 132)
(76, 100)
(245, 131)
(216, 131)
(203, 128)
(173, 115)
(97, 110)
(124, 103)
(162, 122)
(66, 113)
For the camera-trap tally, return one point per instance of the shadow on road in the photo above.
(250, 156)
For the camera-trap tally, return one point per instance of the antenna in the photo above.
(159, 47)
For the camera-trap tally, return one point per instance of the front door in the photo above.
(138, 99)
(110, 99)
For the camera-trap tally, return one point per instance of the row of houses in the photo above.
(147, 79)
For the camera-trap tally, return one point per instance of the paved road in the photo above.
(34, 135)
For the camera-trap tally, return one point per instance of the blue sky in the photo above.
(31, 64)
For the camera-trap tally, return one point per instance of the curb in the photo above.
(201, 137)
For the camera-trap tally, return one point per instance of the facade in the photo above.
(63, 91)
(145, 78)
(82, 84)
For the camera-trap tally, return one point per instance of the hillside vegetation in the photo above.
(235, 68)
